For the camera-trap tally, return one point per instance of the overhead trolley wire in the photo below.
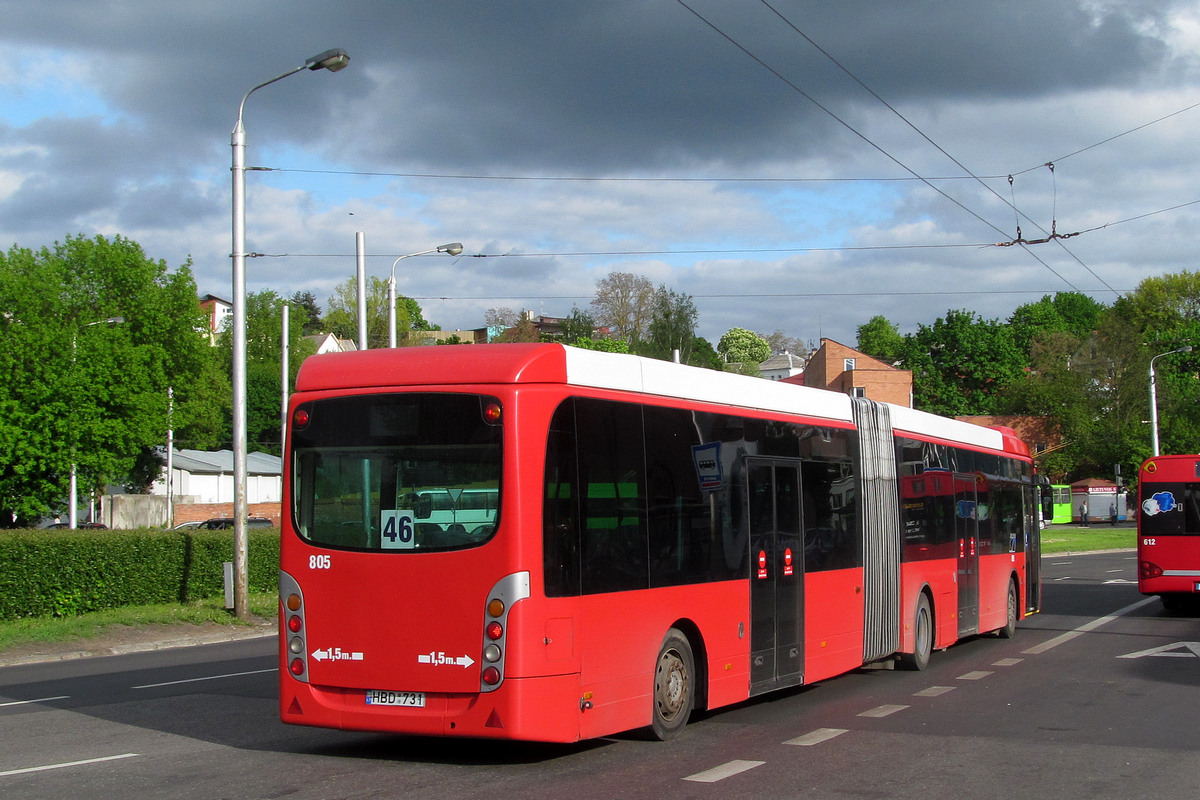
(1053, 235)
(863, 136)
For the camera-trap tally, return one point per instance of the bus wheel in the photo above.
(674, 686)
(922, 637)
(1010, 626)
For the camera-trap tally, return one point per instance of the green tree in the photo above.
(305, 305)
(602, 345)
(880, 339)
(1066, 312)
(91, 336)
(1163, 314)
(342, 317)
(578, 325)
(745, 348)
(672, 327)
(962, 364)
(264, 355)
(705, 355)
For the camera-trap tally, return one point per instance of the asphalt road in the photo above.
(1095, 698)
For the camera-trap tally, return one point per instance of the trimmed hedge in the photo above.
(64, 573)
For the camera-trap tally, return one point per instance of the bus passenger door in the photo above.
(776, 574)
(966, 531)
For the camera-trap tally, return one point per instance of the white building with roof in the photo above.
(785, 365)
(199, 476)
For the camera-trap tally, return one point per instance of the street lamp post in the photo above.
(1154, 397)
(332, 60)
(73, 490)
(453, 249)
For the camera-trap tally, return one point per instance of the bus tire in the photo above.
(1010, 625)
(922, 637)
(674, 686)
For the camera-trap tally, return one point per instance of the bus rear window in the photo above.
(397, 472)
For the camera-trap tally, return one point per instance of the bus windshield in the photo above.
(398, 472)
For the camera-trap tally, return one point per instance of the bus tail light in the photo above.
(507, 591)
(292, 608)
(1148, 569)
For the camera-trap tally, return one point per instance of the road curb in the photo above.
(216, 637)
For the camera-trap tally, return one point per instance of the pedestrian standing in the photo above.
(1112, 514)
(1083, 514)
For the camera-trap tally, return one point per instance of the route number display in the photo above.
(398, 529)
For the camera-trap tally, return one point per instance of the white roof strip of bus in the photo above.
(665, 379)
(920, 422)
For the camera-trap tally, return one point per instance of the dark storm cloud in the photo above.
(588, 87)
(620, 88)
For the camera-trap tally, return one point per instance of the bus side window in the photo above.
(560, 511)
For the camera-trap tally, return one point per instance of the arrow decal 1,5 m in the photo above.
(335, 654)
(440, 659)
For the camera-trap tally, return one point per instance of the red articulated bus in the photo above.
(1168, 541)
(538, 542)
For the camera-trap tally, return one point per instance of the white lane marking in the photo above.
(1174, 650)
(933, 691)
(207, 678)
(65, 765)
(882, 711)
(724, 771)
(976, 675)
(1007, 662)
(817, 736)
(1062, 638)
(39, 700)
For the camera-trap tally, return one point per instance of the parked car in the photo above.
(221, 523)
(187, 526)
(80, 525)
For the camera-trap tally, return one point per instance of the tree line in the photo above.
(102, 349)
(1079, 364)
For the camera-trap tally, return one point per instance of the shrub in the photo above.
(65, 573)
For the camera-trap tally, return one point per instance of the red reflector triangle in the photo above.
(493, 721)
(294, 708)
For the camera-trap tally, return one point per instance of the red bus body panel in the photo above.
(1168, 565)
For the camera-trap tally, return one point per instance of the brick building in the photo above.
(839, 368)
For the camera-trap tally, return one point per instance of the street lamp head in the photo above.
(454, 248)
(332, 60)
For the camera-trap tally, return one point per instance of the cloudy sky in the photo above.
(791, 165)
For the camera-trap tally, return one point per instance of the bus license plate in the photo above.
(377, 697)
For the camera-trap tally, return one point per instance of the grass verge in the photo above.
(47, 630)
(1070, 539)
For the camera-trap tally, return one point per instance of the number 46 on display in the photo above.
(398, 529)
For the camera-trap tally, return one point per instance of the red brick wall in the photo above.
(879, 381)
(198, 512)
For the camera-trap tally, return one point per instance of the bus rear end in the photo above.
(1169, 528)
(395, 598)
